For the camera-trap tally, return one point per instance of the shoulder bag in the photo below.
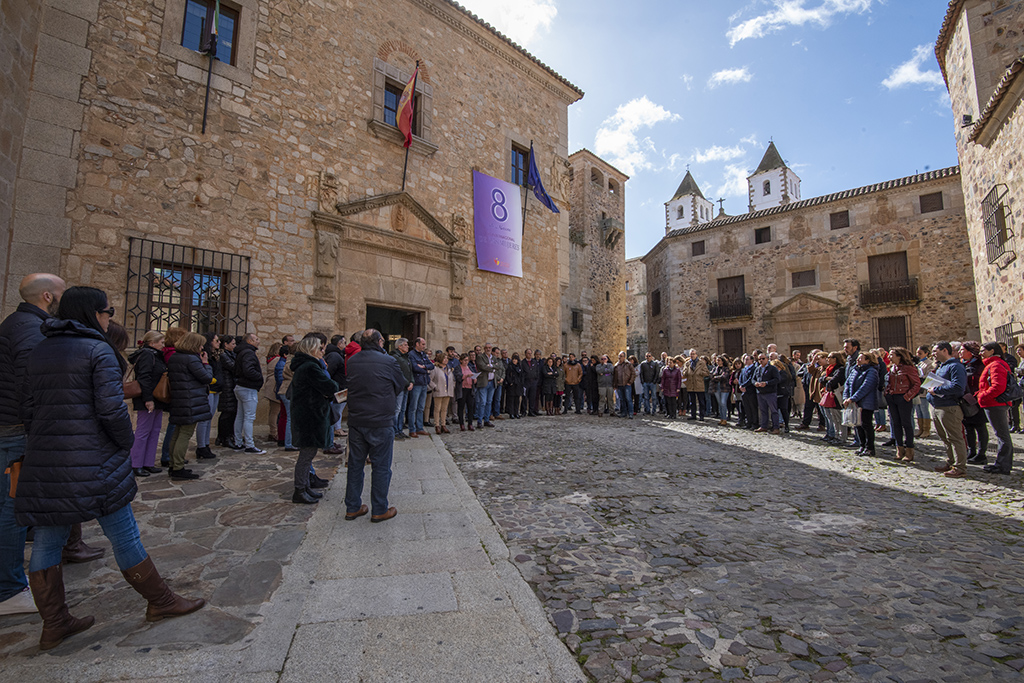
(132, 388)
(162, 390)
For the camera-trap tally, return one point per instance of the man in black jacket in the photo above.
(335, 360)
(20, 333)
(766, 382)
(374, 383)
(248, 382)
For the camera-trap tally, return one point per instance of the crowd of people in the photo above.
(71, 452)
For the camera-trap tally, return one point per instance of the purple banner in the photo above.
(498, 225)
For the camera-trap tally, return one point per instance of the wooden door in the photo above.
(731, 289)
(892, 332)
(732, 342)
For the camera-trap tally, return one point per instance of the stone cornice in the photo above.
(392, 134)
(367, 238)
(406, 200)
(487, 37)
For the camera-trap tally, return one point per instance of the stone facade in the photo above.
(981, 51)
(813, 282)
(594, 317)
(291, 203)
(636, 307)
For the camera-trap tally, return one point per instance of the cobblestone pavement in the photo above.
(682, 551)
(225, 537)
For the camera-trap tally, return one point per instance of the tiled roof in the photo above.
(584, 149)
(521, 50)
(1015, 69)
(824, 199)
(688, 186)
(946, 33)
(772, 159)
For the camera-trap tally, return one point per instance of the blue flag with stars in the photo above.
(533, 180)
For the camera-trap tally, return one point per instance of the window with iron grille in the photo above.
(839, 220)
(656, 303)
(997, 233)
(174, 285)
(732, 342)
(805, 278)
(1010, 334)
(931, 202)
(698, 248)
(762, 235)
(577, 319)
(198, 17)
(893, 331)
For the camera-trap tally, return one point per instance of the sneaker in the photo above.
(20, 603)
(238, 447)
(255, 451)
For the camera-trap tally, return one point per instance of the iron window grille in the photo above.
(723, 309)
(839, 220)
(577, 320)
(698, 248)
(931, 202)
(893, 331)
(174, 285)
(997, 232)
(763, 235)
(1010, 334)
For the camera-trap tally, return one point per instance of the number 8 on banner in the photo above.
(499, 206)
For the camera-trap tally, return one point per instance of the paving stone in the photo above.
(250, 584)
(794, 645)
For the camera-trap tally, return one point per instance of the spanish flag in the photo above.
(406, 107)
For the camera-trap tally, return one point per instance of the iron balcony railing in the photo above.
(730, 308)
(896, 292)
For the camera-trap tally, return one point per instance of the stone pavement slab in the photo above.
(297, 593)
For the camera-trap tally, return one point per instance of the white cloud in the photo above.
(718, 153)
(735, 182)
(688, 80)
(521, 20)
(729, 76)
(617, 137)
(910, 73)
(793, 13)
(750, 140)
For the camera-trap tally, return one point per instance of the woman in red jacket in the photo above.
(991, 385)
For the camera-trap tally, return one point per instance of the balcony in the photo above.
(885, 293)
(611, 231)
(730, 308)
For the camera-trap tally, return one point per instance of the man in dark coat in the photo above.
(374, 383)
(766, 382)
(248, 382)
(20, 333)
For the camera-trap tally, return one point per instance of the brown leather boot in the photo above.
(900, 451)
(908, 455)
(75, 550)
(48, 592)
(926, 427)
(163, 602)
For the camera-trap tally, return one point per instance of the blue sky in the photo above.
(849, 90)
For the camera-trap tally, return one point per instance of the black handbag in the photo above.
(969, 404)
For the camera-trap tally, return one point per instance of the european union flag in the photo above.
(533, 180)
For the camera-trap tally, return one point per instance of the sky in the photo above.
(849, 91)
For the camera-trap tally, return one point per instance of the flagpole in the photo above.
(206, 104)
(212, 52)
(416, 76)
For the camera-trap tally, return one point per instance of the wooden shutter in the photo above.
(931, 202)
(731, 289)
(732, 342)
(888, 268)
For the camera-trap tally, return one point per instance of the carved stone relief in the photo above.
(398, 218)
(327, 245)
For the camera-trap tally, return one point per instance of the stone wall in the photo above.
(291, 134)
(883, 219)
(636, 307)
(980, 48)
(597, 257)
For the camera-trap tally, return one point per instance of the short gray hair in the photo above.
(401, 341)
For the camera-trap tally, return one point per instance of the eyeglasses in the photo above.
(108, 311)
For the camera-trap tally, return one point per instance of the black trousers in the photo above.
(670, 406)
(750, 409)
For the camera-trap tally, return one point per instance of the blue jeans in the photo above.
(723, 404)
(119, 528)
(417, 402)
(648, 397)
(203, 428)
(287, 421)
(483, 403)
(377, 443)
(12, 536)
(248, 399)
(922, 410)
(401, 402)
(625, 395)
(496, 401)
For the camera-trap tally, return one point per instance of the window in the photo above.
(520, 165)
(656, 303)
(392, 96)
(805, 278)
(680, 213)
(388, 84)
(596, 177)
(627, 285)
(627, 321)
(886, 269)
(732, 342)
(839, 220)
(767, 188)
(198, 289)
(577, 319)
(607, 296)
(892, 332)
(762, 235)
(196, 29)
(931, 202)
(698, 248)
(613, 187)
(731, 288)
(993, 213)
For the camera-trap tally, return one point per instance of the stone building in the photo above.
(980, 48)
(883, 263)
(636, 307)
(595, 303)
(289, 212)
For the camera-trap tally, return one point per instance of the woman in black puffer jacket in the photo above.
(76, 465)
(189, 375)
(149, 368)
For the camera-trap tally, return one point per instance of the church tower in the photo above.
(773, 183)
(687, 206)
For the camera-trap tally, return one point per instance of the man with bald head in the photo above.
(19, 333)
